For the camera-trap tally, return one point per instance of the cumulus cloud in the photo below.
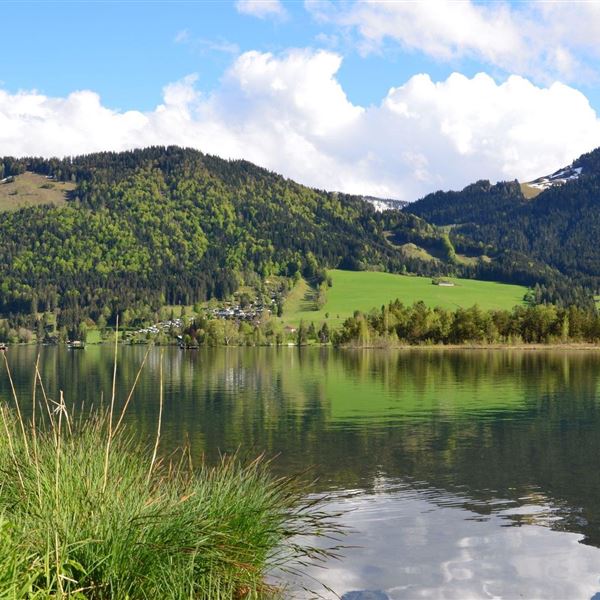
(290, 114)
(529, 38)
(262, 8)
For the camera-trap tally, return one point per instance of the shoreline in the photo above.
(572, 346)
(578, 346)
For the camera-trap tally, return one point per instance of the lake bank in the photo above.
(382, 346)
(467, 346)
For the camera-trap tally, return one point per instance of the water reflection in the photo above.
(409, 549)
(440, 446)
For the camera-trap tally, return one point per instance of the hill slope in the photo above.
(173, 226)
(557, 230)
(158, 226)
(31, 189)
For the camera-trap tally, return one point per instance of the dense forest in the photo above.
(167, 225)
(397, 323)
(174, 226)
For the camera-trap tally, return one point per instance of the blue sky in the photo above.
(316, 74)
(127, 51)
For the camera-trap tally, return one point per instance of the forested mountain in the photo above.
(145, 228)
(558, 228)
(171, 225)
(480, 202)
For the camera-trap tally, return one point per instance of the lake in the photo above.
(461, 474)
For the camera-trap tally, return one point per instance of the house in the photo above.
(442, 282)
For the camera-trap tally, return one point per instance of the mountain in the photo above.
(531, 189)
(479, 202)
(140, 229)
(157, 226)
(558, 228)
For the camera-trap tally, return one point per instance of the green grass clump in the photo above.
(86, 511)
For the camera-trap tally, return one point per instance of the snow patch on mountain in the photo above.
(382, 204)
(557, 178)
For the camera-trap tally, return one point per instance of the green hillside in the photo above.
(364, 290)
(142, 229)
(159, 226)
(549, 236)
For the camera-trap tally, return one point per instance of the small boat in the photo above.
(191, 346)
(75, 345)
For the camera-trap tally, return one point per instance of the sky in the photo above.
(392, 99)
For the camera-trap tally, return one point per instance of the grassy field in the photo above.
(30, 189)
(93, 336)
(365, 290)
(300, 300)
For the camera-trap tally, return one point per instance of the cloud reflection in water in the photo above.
(410, 544)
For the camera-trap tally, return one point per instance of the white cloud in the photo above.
(544, 40)
(261, 8)
(203, 45)
(290, 114)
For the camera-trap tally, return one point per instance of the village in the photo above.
(238, 310)
(253, 311)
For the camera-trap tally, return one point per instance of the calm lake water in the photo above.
(463, 474)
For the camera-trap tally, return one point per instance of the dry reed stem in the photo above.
(34, 433)
(19, 415)
(112, 409)
(126, 405)
(58, 446)
(33, 427)
(57, 557)
(46, 401)
(64, 410)
(11, 447)
(160, 410)
(56, 491)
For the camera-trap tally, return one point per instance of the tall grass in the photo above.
(86, 511)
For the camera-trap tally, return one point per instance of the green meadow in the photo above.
(364, 290)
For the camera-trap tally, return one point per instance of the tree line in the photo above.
(397, 324)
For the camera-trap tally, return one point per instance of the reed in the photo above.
(87, 511)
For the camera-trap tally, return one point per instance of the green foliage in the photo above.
(323, 334)
(173, 226)
(480, 201)
(302, 335)
(83, 520)
(420, 324)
